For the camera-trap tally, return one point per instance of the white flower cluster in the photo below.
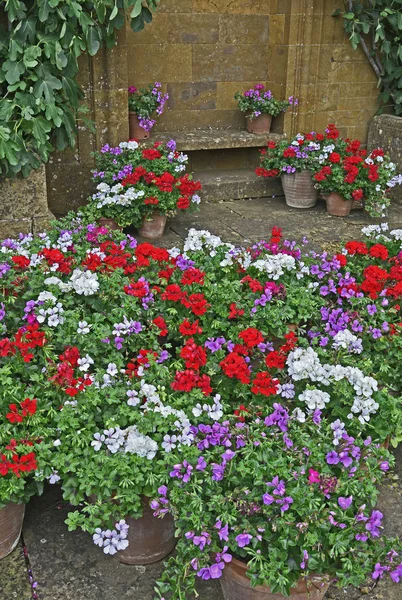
(275, 265)
(197, 240)
(214, 412)
(131, 145)
(128, 440)
(315, 399)
(305, 364)
(326, 151)
(84, 283)
(375, 231)
(348, 341)
(153, 403)
(116, 195)
(53, 315)
(64, 242)
(112, 540)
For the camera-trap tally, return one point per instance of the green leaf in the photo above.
(13, 71)
(349, 15)
(137, 24)
(45, 87)
(114, 12)
(136, 11)
(147, 15)
(93, 41)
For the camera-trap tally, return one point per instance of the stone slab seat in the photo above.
(236, 184)
(213, 139)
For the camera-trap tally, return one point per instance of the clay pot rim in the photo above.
(313, 577)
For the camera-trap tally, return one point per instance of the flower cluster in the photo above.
(133, 182)
(143, 102)
(257, 101)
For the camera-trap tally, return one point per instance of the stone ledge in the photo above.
(214, 139)
(224, 186)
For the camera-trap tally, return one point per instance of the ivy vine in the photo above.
(376, 26)
(40, 42)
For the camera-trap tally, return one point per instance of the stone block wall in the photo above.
(203, 51)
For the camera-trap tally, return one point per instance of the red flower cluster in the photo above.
(151, 154)
(235, 367)
(264, 384)
(18, 464)
(187, 328)
(17, 414)
(251, 337)
(261, 172)
(27, 338)
(162, 326)
(193, 355)
(187, 380)
(235, 312)
(55, 257)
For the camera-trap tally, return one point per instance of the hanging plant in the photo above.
(40, 42)
(376, 26)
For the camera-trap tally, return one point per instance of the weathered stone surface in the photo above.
(243, 29)
(182, 6)
(386, 132)
(223, 186)
(24, 197)
(233, 158)
(229, 62)
(11, 228)
(233, 6)
(193, 29)
(209, 139)
(199, 95)
(14, 582)
(189, 120)
(160, 62)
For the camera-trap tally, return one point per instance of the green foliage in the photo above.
(376, 26)
(40, 43)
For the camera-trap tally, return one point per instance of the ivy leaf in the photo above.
(53, 113)
(40, 129)
(93, 41)
(45, 87)
(13, 71)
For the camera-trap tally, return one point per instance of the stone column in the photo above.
(104, 81)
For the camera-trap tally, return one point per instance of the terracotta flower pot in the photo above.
(150, 539)
(299, 189)
(261, 124)
(111, 223)
(136, 132)
(337, 206)
(236, 586)
(11, 519)
(153, 228)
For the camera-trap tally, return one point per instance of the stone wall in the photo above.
(203, 51)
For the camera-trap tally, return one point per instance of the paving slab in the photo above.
(14, 582)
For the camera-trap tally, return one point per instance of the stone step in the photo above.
(213, 139)
(223, 186)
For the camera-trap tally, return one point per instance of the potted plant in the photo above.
(294, 162)
(261, 107)
(263, 507)
(142, 187)
(142, 103)
(25, 453)
(348, 173)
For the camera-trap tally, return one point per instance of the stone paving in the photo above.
(67, 565)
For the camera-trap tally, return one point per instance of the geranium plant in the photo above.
(133, 182)
(257, 101)
(301, 153)
(290, 500)
(145, 101)
(356, 174)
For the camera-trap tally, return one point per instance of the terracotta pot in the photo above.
(150, 539)
(153, 228)
(111, 223)
(337, 206)
(136, 132)
(236, 586)
(11, 518)
(261, 124)
(299, 189)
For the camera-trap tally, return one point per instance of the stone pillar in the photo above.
(23, 206)
(104, 82)
(334, 83)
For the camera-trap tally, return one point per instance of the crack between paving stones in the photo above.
(30, 576)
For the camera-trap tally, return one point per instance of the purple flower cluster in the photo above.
(277, 495)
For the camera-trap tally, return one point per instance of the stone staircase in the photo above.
(224, 161)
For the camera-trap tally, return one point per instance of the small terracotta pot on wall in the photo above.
(337, 206)
(153, 228)
(136, 132)
(236, 586)
(111, 223)
(299, 189)
(11, 519)
(150, 539)
(261, 124)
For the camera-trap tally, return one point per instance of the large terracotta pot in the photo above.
(153, 228)
(261, 124)
(136, 132)
(337, 206)
(150, 539)
(11, 518)
(111, 223)
(236, 586)
(299, 189)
